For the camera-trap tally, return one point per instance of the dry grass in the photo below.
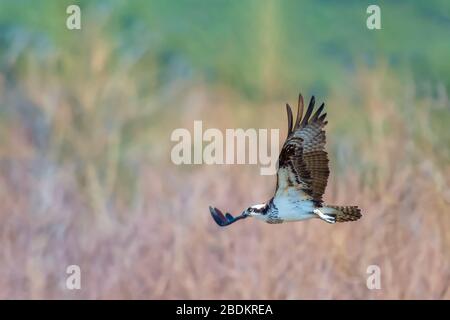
(86, 179)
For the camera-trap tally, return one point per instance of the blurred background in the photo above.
(85, 171)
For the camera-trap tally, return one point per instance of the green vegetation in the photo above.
(258, 49)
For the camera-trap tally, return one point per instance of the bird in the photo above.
(301, 176)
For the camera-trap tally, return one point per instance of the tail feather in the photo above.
(346, 213)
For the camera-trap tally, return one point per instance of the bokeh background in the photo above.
(85, 171)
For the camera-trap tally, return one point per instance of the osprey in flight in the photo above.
(301, 178)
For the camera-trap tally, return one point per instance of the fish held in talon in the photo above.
(301, 177)
(224, 220)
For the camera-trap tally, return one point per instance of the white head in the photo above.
(256, 210)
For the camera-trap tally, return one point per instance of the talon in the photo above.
(325, 217)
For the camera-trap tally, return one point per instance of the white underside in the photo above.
(291, 208)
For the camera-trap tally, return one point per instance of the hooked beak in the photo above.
(227, 219)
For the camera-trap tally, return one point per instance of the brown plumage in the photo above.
(303, 151)
(346, 213)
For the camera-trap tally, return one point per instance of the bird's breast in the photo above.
(292, 208)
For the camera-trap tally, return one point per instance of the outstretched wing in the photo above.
(303, 162)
